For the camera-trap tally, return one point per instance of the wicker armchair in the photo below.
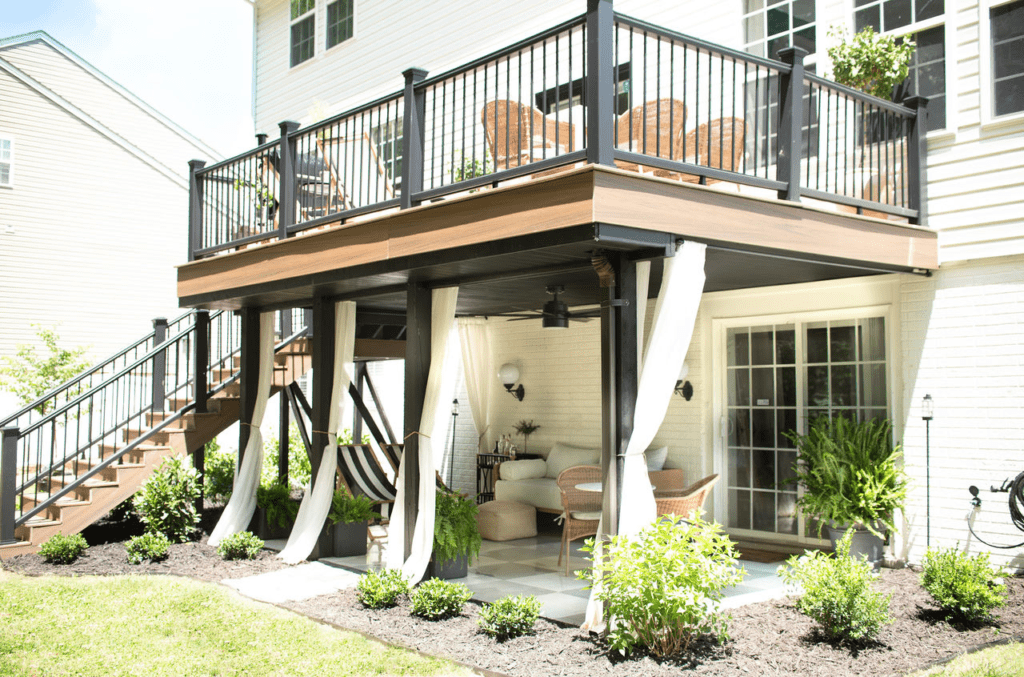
(652, 128)
(718, 144)
(688, 500)
(582, 509)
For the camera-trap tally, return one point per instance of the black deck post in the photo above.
(195, 208)
(201, 360)
(618, 383)
(284, 414)
(417, 368)
(791, 122)
(8, 486)
(600, 82)
(412, 136)
(286, 176)
(323, 382)
(357, 414)
(249, 376)
(159, 364)
(917, 160)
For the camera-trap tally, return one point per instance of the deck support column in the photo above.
(249, 376)
(417, 368)
(283, 413)
(8, 482)
(600, 82)
(323, 384)
(618, 383)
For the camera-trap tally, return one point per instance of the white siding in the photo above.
(89, 234)
(962, 344)
(49, 67)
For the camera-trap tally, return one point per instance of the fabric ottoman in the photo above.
(506, 520)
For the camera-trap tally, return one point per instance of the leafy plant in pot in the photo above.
(456, 535)
(275, 511)
(348, 519)
(852, 478)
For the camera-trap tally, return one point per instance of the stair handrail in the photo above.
(120, 453)
(70, 383)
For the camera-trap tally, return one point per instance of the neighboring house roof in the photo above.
(176, 174)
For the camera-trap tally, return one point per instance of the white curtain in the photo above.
(478, 368)
(309, 523)
(240, 508)
(643, 285)
(674, 316)
(441, 318)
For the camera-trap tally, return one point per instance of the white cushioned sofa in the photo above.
(533, 481)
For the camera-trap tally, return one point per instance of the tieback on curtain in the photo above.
(416, 432)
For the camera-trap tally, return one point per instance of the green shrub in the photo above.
(243, 545)
(510, 616)
(346, 508)
(381, 589)
(276, 500)
(151, 546)
(455, 530)
(837, 592)
(663, 588)
(219, 473)
(30, 376)
(299, 468)
(435, 599)
(167, 501)
(966, 588)
(61, 549)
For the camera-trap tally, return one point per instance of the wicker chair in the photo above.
(519, 134)
(718, 144)
(688, 500)
(582, 509)
(670, 482)
(653, 128)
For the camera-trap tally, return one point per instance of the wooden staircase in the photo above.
(98, 495)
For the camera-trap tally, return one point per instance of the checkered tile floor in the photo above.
(529, 566)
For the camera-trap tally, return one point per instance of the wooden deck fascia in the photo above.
(562, 204)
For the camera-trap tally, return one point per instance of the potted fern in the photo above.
(275, 511)
(348, 519)
(456, 535)
(852, 478)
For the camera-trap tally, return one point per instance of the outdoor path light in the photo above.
(927, 413)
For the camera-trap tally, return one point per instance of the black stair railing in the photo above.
(91, 428)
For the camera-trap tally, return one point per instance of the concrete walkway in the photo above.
(294, 583)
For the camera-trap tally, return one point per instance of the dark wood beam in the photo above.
(323, 382)
(618, 382)
(417, 368)
(249, 375)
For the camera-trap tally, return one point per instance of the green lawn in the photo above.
(999, 661)
(152, 625)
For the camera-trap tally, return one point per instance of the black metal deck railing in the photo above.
(50, 448)
(602, 88)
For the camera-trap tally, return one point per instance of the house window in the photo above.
(340, 18)
(921, 21)
(6, 162)
(770, 25)
(778, 379)
(303, 30)
(1007, 28)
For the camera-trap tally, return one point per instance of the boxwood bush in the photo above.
(167, 501)
(966, 588)
(436, 599)
(151, 545)
(510, 616)
(243, 545)
(837, 592)
(381, 589)
(61, 549)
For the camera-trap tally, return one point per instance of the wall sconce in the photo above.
(683, 387)
(508, 375)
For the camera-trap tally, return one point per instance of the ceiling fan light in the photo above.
(555, 322)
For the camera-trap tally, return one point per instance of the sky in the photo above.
(189, 59)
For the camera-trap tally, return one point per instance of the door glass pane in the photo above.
(816, 343)
(764, 468)
(739, 509)
(844, 385)
(763, 386)
(739, 428)
(763, 427)
(872, 345)
(896, 13)
(787, 520)
(739, 467)
(738, 348)
(842, 343)
(786, 395)
(785, 347)
(817, 386)
(872, 385)
(787, 423)
(739, 393)
(761, 346)
(764, 510)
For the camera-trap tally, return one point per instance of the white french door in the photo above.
(778, 376)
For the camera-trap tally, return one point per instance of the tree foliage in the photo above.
(30, 375)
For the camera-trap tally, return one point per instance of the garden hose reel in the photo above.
(1015, 488)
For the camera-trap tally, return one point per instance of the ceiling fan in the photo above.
(555, 313)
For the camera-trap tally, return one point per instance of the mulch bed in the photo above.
(769, 638)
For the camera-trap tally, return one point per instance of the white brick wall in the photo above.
(962, 344)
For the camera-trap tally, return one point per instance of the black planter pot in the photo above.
(267, 531)
(449, 569)
(349, 539)
(863, 542)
